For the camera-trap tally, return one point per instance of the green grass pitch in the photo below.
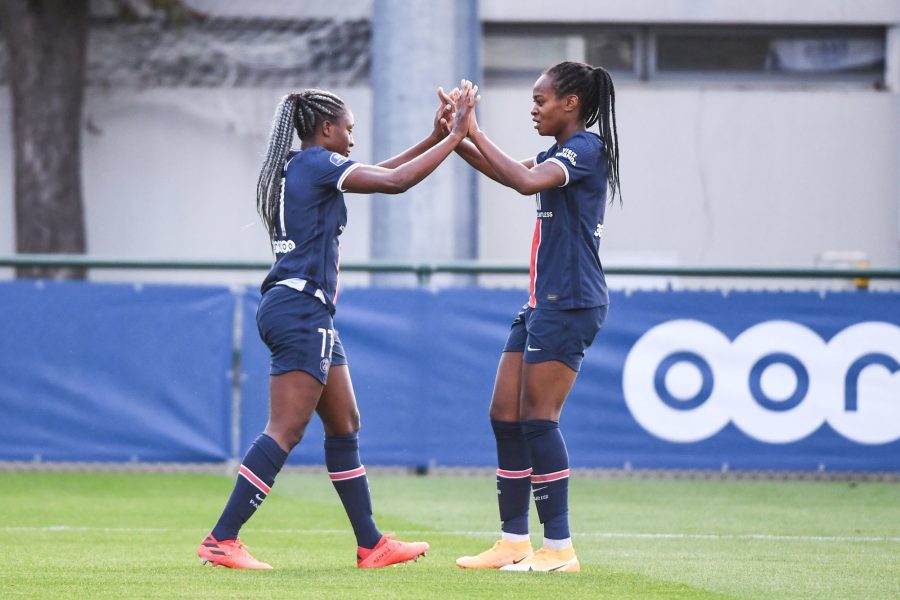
(96, 535)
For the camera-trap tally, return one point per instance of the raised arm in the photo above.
(467, 149)
(524, 176)
(368, 179)
(440, 129)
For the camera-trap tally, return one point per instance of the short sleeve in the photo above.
(334, 168)
(577, 157)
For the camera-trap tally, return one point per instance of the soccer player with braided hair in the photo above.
(567, 306)
(300, 197)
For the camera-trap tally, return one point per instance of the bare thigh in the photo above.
(545, 387)
(507, 388)
(292, 399)
(337, 406)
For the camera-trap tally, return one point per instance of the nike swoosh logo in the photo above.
(259, 498)
(515, 562)
(540, 488)
(530, 349)
(563, 566)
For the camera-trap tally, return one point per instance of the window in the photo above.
(691, 53)
(769, 54)
(520, 53)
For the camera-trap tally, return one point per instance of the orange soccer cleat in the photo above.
(548, 560)
(503, 553)
(388, 552)
(228, 553)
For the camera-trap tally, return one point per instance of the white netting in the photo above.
(224, 49)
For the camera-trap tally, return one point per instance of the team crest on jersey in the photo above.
(568, 154)
(323, 366)
(337, 159)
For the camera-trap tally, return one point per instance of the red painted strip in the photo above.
(342, 475)
(513, 474)
(532, 270)
(550, 476)
(252, 478)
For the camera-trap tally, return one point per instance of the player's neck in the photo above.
(568, 131)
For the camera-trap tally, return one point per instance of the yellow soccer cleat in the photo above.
(547, 560)
(227, 553)
(502, 554)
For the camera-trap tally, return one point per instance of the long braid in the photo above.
(608, 130)
(268, 186)
(301, 112)
(594, 87)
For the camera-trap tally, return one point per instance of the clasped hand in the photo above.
(456, 113)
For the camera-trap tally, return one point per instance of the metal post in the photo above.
(892, 83)
(416, 47)
(237, 377)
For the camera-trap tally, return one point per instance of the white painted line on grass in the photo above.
(590, 534)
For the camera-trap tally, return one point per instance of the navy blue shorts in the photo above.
(300, 333)
(561, 335)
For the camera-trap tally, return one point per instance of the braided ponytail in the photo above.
(605, 114)
(268, 186)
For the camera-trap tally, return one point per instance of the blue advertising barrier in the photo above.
(698, 380)
(99, 372)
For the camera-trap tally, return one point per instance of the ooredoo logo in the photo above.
(778, 381)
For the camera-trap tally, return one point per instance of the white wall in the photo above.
(808, 12)
(749, 175)
(724, 177)
(171, 174)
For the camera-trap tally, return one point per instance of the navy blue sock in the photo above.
(550, 479)
(349, 479)
(513, 476)
(256, 475)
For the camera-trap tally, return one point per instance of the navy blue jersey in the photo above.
(565, 261)
(311, 218)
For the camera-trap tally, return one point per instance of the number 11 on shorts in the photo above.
(326, 335)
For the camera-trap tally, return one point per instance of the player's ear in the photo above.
(572, 102)
(327, 128)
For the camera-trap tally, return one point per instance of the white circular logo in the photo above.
(778, 381)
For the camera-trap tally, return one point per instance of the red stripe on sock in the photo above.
(252, 478)
(550, 476)
(342, 475)
(513, 474)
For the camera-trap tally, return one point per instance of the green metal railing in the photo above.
(425, 270)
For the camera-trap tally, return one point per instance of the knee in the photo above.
(346, 426)
(287, 435)
(503, 414)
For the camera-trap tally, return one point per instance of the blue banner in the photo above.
(692, 380)
(101, 372)
(689, 380)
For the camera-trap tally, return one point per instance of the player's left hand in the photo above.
(445, 112)
(464, 117)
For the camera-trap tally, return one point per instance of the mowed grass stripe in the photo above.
(491, 534)
(635, 539)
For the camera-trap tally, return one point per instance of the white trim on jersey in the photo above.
(281, 197)
(281, 209)
(340, 182)
(561, 166)
(298, 284)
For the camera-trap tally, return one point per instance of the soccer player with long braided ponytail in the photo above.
(300, 197)
(567, 306)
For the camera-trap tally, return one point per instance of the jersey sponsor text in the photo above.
(283, 246)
